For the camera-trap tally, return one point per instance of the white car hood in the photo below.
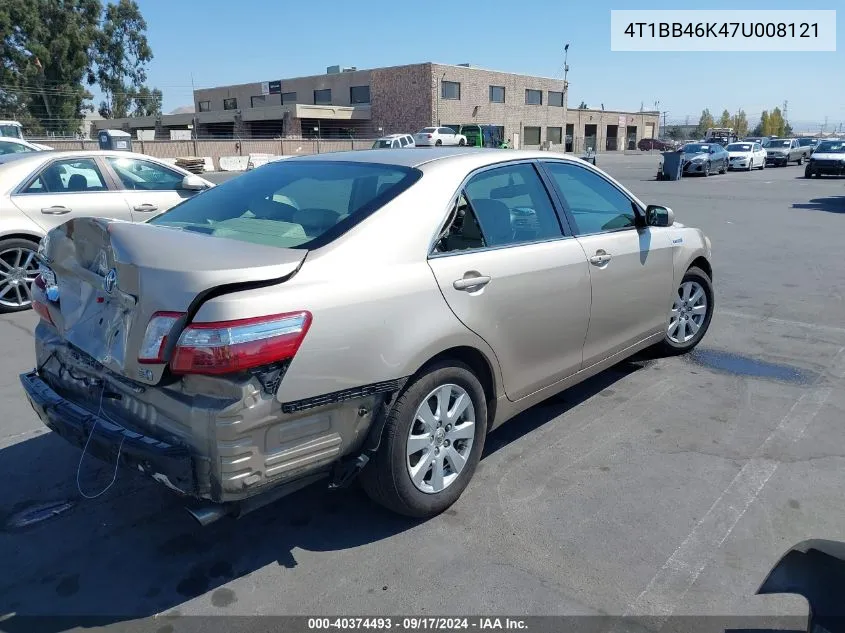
(829, 156)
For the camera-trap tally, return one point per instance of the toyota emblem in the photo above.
(110, 281)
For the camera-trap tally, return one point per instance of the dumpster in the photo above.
(670, 168)
(115, 139)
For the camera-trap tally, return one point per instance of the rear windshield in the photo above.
(291, 204)
(383, 143)
(428, 130)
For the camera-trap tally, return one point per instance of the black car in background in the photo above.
(646, 144)
(828, 159)
(704, 159)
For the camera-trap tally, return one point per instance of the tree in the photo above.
(582, 106)
(147, 102)
(725, 119)
(675, 133)
(704, 123)
(740, 123)
(763, 127)
(774, 124)
(51, 49)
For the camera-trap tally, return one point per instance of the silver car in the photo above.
(41, 189)
(377, 312)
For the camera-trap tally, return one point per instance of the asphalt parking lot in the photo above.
(664, 487)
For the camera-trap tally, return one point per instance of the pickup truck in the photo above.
(782, 151)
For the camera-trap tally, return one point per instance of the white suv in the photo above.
(429, 136)
(394, 141)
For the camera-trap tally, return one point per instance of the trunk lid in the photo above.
(112, 276)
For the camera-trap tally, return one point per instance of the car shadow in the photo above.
(831, 204)
(134, 552)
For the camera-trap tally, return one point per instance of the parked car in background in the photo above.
(782, 151)
(40, 190)
(704, 159)
(253, 340)
(436, 136)
(808, 145)
(745, 155)
(763, 140)
(827, 160)
(647, 144)
(10, 145)
(394, 141)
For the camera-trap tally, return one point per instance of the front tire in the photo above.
(691, 313)
(808, 173)
(431, 443)
(18, 269)
(438, 143)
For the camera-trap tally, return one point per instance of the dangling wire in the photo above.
(100, 412)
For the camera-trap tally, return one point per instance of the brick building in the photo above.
(347, 102)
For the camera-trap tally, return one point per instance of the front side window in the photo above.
(230, 104)
(75, 175)
(359, 94)
(14, 148)
(323, 97)
(142, 175)
(500, 207)
(595, 204)
(13, 131)
(450, 90)
(291, 204)
(533, 97)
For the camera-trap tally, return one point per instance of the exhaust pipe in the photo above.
(206, 515)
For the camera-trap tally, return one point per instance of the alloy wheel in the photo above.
(440, 438)
(18, 269)
(688, 312)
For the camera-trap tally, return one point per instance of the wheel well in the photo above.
(21, 236)
(479, 365)
(703, 264)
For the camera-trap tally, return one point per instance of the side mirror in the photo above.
(659, 216)
(193, 183)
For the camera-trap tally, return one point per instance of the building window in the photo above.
(323, 97)
(359, 94)
(497, 94)
(230, 104)
(554, 135)
(204, 106)
(556, 99)
(450, 90)
(531, 135)
(288, 97)
(534, 97)
(258, 101)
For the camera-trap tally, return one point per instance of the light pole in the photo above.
(566, 97)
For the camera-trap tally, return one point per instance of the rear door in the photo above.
(512, 275)
(447, 135)
(631, 269)
(149, 188)
(69, 188)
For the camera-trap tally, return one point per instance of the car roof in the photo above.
(52, 153)
(420, 156)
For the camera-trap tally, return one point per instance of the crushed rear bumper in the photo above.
(170, 465)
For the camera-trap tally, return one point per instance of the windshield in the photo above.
(291, 204)
(7, 147)
(695, 148)
(739, 147)
(831, 147)
(11, 130)
(785, 143)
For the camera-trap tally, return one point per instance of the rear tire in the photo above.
(801, 159)
(706, 170)
(462, 142)
(16, 276)
(676, 342)
(387, 478)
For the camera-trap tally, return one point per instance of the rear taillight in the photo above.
(155, 337)
(39, 308)
(227, 347)
(428, 135)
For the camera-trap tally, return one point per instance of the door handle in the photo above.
(145, 208)
(600, 258)
(471, 282)
(56, 210)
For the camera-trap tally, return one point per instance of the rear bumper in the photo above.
(170, 465)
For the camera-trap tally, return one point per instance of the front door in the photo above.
(69, 188)
(511, 276)
(148, 187)
(631, 269)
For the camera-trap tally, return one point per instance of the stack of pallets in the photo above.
(192, 164)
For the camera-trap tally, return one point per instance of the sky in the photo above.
(208, 43)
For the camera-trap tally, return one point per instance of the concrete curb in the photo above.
(233, 163)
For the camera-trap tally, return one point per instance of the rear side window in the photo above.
(291, 204)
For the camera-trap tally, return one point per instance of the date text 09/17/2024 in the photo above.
(416, 624)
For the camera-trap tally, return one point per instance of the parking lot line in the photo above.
(669, 586)
(756, 317)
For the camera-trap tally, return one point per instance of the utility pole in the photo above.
(785, 112)
(566, 96)
(665, 112)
